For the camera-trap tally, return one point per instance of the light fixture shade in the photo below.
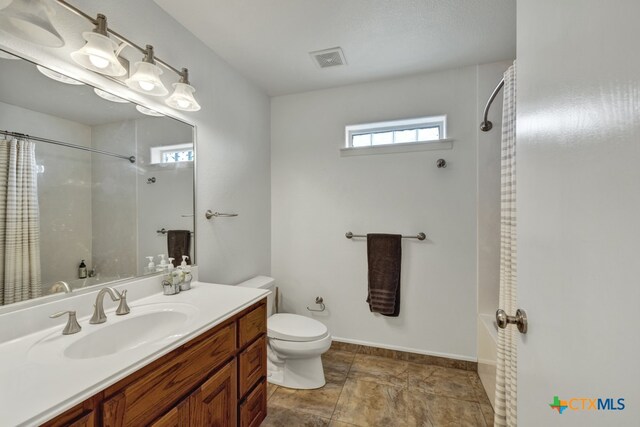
(146, 79)
(54, 75)
(109, 97)
(182, 98)
(7, 55)
(98, 55)
(148, 111)
(30, 20)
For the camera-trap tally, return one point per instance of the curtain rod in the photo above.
(486, 125)
(132, 159)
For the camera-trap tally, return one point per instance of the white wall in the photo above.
(232, 131)
(114, 201)
(578, 205)
(488, 186)
(317, 196)
(64, 190)
(165, 203)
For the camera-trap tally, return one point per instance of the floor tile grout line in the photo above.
(342, 388)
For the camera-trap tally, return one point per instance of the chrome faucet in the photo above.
(98, 308)
(72, 327)
(63, 285)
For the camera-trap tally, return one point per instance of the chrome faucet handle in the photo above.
(123, 307)
(98, 313)
(72, 326)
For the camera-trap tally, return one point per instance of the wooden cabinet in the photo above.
(210, 381)
(215, 402)
(176, 417)
(254, 409)
(253, 365)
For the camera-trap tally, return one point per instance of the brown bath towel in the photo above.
(384, 252)
(178, 242)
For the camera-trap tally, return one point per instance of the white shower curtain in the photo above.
(19, 222)
(506, 375)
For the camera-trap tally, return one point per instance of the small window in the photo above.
(172, 153)
(410, 131)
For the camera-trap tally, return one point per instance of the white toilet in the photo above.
(295, 344)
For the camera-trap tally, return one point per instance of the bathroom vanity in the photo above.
(205, 366)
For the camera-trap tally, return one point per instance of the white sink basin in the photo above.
(145, 324)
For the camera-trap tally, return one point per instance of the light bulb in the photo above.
(182, 103)
(145, 85)
(99, 61)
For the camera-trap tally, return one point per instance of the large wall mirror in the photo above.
(100, 189)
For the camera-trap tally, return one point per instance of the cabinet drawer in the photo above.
(145, 399)
(251, 325)
(254, 409)
(253, 365)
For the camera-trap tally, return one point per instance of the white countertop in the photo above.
(37, 382)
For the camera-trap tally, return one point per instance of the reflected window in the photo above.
(173, 153)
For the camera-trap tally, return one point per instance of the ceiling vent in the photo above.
(328, 57)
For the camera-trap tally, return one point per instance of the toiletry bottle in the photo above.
(151, 267)
(82, 270)
(170, 265)
(163, 263)
(183, 264)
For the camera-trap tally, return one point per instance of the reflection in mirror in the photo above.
(92, 189)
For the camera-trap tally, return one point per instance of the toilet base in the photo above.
(303, 374)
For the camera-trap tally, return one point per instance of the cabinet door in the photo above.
(177, 417)
(214, 404)
(252, 363)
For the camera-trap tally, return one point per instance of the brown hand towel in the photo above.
(178, 242)
(384, 252)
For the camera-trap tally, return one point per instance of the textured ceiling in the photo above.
(268, 40)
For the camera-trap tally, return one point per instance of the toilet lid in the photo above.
(293, 327)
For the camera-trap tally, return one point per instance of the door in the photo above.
(578, 208)
(214, 404)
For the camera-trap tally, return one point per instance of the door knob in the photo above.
(520, 320)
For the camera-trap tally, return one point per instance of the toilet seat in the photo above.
(293, 327)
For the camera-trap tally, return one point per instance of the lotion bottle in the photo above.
(82, 270)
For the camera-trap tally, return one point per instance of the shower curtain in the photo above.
(506, 375)
(19, 222)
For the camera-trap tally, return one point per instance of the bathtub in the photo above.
(487, 353)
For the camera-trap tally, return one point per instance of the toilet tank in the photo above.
(263, 282)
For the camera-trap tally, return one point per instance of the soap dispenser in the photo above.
(151, 267)
(186, 271)
(170, 265)
(82, 270)
(183, 264)
(163, 263)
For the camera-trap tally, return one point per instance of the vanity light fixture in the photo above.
(54, 75)
(99, 53)
(148, 111)
(146, 76)
(182, 96)
(7, 55)
(30, 20)
(109, 96)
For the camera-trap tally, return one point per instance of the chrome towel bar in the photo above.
(165, 231)
(208, 214)
(420, 236)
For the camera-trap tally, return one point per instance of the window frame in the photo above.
(439, 122)
(157, 153)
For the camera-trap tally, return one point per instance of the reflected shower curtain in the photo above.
(19, 222)
(506, 375)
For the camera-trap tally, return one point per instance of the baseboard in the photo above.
(405, 353)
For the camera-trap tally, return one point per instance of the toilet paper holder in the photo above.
(320, 302)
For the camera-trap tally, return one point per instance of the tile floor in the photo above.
(366, 390)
